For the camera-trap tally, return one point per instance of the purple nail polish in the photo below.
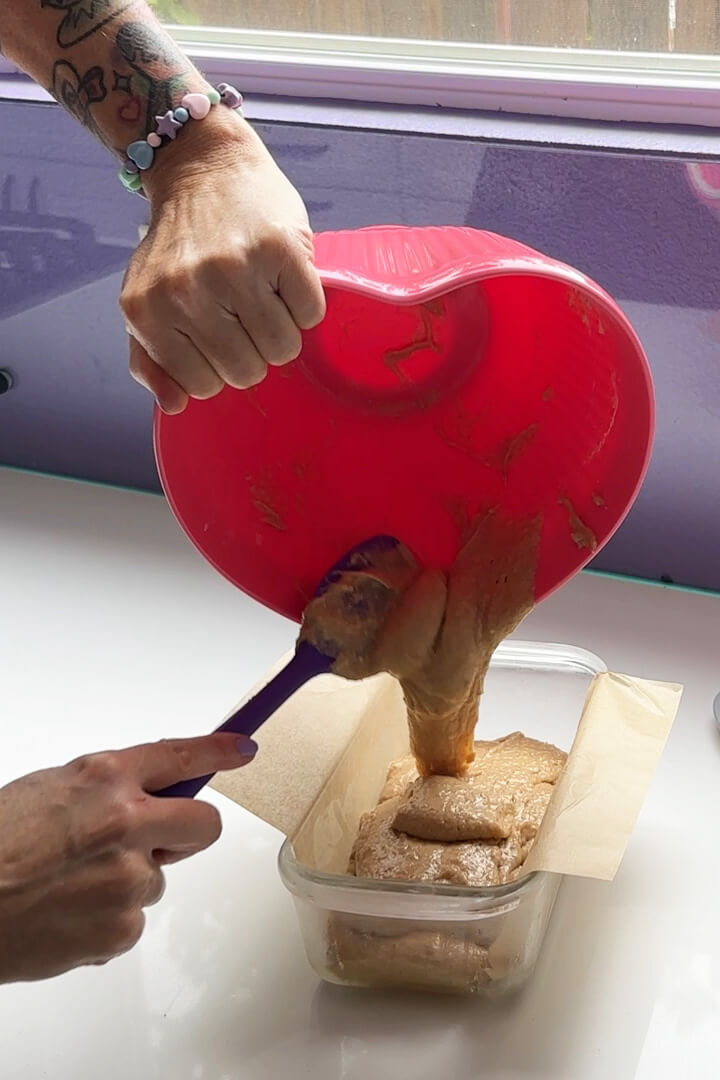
(247, 747)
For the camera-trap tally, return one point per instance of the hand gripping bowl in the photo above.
(456, 372)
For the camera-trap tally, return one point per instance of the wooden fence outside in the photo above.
(636, 25)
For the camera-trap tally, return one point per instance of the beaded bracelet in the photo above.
(195, 106)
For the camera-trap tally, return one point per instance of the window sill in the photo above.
(687, 143)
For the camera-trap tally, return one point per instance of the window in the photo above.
(643, 60)
(637, 60)
(684, 26)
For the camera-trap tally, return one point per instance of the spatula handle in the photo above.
(305, 665)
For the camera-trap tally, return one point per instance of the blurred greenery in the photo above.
(173, 12)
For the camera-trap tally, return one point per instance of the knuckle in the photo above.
(143, 369)
(155, 887)
(203, 385)
(176, 287)
(234, 264)
(117, 823)
(284, 352)
(135, 365)
(273, 243)
(125, 816)
(303, 236)
(131, 876)
(180, 286)
(248, 375)
(104, 768)
(133, 304)
(282, 342)
(315, 313)
(181, 755)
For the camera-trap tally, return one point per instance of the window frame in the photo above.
(667, 89)
(658, 88)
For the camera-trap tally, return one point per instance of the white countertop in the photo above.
(114, 631)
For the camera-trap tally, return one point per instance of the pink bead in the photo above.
(154, 139)
(197, 105)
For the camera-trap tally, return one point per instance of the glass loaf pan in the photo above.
(439, 938)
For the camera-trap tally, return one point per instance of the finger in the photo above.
(271, 327)
(170, 397)
(118, 934)
(116, 880)
(179, 828)
(157, 765)
(132, 878)
(250, 305)
(300, 288)
(166, 857)
(156, 886)
(230, 349)
(180, 358)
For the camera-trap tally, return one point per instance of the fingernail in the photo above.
(247, 747)
(170, 408)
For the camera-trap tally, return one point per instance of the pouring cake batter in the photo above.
(456, 811)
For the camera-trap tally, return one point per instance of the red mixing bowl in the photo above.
(456, 371)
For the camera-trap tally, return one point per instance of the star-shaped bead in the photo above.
(167, 124)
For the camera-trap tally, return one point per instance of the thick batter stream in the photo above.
(435, 632)
(458, 812)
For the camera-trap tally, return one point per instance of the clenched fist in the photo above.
(224, 282)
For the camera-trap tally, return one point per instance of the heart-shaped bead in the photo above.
(141, 153)
(197, 105)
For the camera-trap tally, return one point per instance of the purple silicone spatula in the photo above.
(305, 665)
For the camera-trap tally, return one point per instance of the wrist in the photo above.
(219, 141)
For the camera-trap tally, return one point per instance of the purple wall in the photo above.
(632, 223)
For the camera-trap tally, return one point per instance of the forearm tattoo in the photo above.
(153, 69)
(78, 92)
(81, 18)
(143, 75)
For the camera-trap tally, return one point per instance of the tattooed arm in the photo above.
(107, 61)
(224, 281)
